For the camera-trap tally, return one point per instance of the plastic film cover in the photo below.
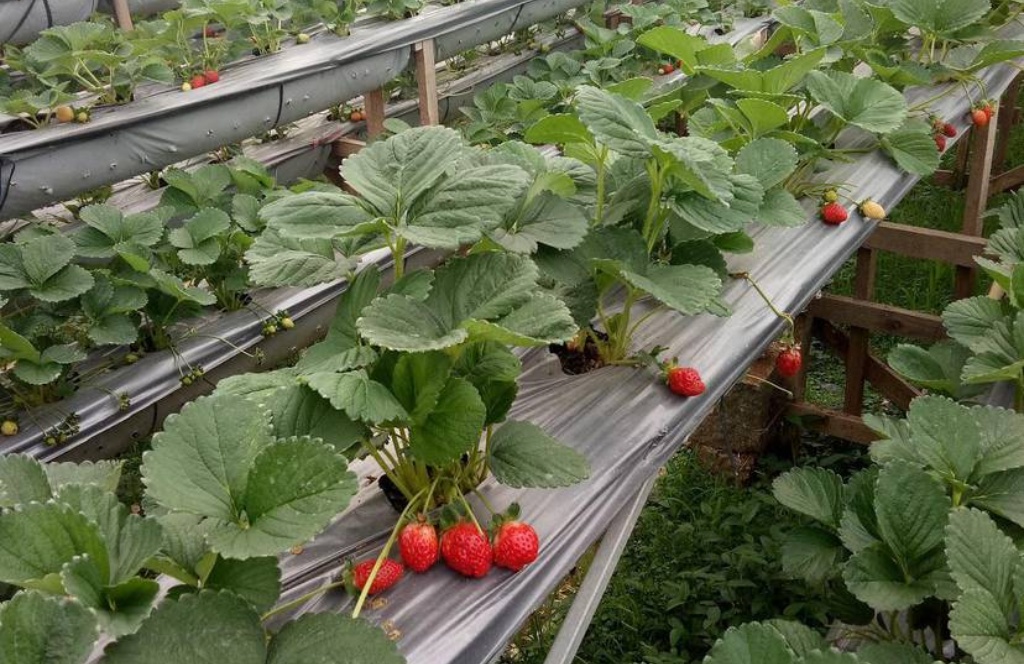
(21, 21)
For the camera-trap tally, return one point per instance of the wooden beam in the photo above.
(1010, 179)
(860, 338)
(880, 375)
(346, 146)
(123, 15)
(803, 327)
(1008, 117)
(426, 81)
(878, 317)
(832, 423)
(976, 197)
(373, 104)
(926, 243)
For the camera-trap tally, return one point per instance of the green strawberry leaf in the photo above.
(523, 455)
(33, 623)
(863, 102)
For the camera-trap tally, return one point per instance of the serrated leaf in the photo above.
(227, 433)
(316, 215)
(460, 209)
(937, 368)
(770, 160)
(893, 653)
(750, 643)
(451, 427)
(558, 129)
(969, 320)
(875, 578)
(863, 102)
(943, 17)
(619, 123)
(49, 535)
(297, 410)
(762, 116)
(295, 487)
(980, 629)
(812, 554)
(277, 260)
(523, 455)
(981, 556)
(912, 510)
(688, 289)
(359, 396)
(780, 208)
(208, 628)
(945, 436)
(318, 638)
(1002, 439)
(398, 170)
(912, 148)
(22, 480)
(815, 492)
(1002, 494)
(256, 580)
(37, 629)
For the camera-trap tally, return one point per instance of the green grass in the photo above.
(705, 555)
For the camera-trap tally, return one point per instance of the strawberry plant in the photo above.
(84, 564)
(660, 201)
(983, 347)
(91, 57)
(921, 543)
(394, 10)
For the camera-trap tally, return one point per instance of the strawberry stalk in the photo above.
(365, 592)
(789, 335)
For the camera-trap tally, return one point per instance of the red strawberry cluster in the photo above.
(982, 113)
(464, 547)
(208, 77)
(941, 130)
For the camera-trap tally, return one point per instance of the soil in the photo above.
(577, 361)
(395, 498)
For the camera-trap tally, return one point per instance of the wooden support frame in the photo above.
(424, 56)
(123, 15)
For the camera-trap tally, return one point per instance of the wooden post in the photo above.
(803, 325)
(123, 15)
(857, 354)
(426, 81)
(373, 104)
(1006, 120)
(976, 196)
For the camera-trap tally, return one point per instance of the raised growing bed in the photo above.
(58, 162)
(621, 419)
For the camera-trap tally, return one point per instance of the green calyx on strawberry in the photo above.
(418, 544)
(466, 549)
(357, 575)
(516, 543)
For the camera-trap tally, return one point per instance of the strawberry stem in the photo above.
(790, 334)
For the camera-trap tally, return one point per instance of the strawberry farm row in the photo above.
(603, 245)
(126, 398)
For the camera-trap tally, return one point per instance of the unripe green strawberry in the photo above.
(830, 196)
(467, 550)
(389, 574)
(9, 428)
(515, 545)
(418, 545)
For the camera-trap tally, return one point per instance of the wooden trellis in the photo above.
(979, 171)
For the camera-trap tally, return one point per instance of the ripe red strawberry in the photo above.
(685, 381)
(948, 130)
(940, 142)
(989, 109)
(417, 543)
(515, 545)
(467, 550)
(388, 575)
(979, 117)
(789, 361)
(197, 81)
(211, 76)
(834, 214)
